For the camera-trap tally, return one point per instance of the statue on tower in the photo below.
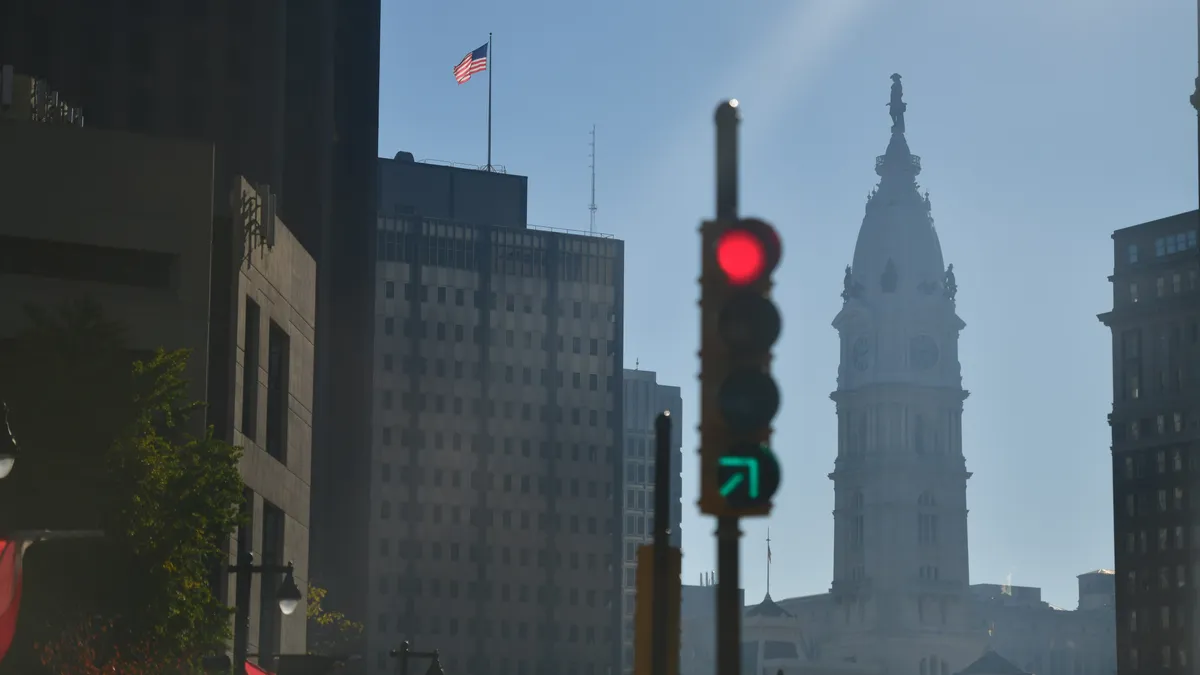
(950, 284)
(850, 287)
(897, 105)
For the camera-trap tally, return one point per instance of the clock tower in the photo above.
(901, 576)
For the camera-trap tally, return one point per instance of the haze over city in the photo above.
(1042, 127)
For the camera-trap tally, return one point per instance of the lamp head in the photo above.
(8, 446)
(289, 594)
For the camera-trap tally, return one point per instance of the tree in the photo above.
(330, 633)
(111, 445)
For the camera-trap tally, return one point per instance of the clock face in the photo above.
(861, 353)
(923, 352)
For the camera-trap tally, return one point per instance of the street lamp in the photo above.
(288, 595)
(8, 447)
(405, 653)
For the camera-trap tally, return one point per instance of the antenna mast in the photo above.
(592, 166)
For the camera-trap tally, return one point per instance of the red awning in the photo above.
(252, 669)
(10, 592)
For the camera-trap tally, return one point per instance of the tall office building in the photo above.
(126, 220)
(645, 399)
(1155, 324)
(497, 421)
(289, 94)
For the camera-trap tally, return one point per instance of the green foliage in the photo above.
(110, 444)
(330, 633)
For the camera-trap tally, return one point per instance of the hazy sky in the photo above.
(1043, 125)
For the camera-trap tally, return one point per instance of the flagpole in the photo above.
(768, 561)
(489, 69)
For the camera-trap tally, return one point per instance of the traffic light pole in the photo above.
(662, 519)
(729, 610)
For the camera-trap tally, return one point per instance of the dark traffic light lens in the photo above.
(749, 322)
(748, 400)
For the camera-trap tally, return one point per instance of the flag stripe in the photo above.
(474, 62)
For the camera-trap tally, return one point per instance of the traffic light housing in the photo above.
(644, 620)
(739, 398)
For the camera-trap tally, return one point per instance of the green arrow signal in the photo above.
(751, 466)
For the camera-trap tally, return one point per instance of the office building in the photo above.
(497, 432)
(1155, 323)
(289, 95)
(127, 220)
(645, 399)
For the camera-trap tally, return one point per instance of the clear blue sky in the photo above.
(1043, 126)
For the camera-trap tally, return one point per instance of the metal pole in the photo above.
(241, 604)
(490, 60)
(662, 518)
(729, 610)
(405, 648)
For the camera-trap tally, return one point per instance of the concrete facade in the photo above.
(288, 95)
(128, 220)
(495, 532)
(645, 398)
(1155, 324)
(276, 284)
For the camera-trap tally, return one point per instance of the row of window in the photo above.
(1164, 500)
(1169, 657)
(574, 524)
(1163, 425)
(1167, 618)
(519, 261)
(506, 410)
(485, 480)
(416, 439)
(503, 666)
(1168, 539)
(419, 329)
(458, 369)
(1168, 245)
(452, 589)
(1166, 285)
(1164, 579)
(1135, 465)
(527, 303)
(506, 629)
(927, 530)
(412, 549)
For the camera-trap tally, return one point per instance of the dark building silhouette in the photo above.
(1155, 324)
(288, 93)
(496, 533)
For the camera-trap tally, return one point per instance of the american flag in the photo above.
(475, 62)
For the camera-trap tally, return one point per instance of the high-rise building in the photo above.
(126, 220)
(289, 95)
(1155, 323)
(645, 399)
(495, 533)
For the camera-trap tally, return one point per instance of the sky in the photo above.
(1043, 126)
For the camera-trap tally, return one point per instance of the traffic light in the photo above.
(739, 398)
(644, 620)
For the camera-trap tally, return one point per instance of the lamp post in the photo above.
(8, 447)
(288, 595)
(405, 653)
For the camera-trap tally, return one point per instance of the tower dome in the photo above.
(898, 251)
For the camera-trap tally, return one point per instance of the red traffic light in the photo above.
(747, 252)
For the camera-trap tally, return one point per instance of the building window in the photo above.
(389, 289)
(278, 343)
(1133, 292)
(1133, 253)
(250, 372)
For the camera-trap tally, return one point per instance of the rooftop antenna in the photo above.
(592, 166)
